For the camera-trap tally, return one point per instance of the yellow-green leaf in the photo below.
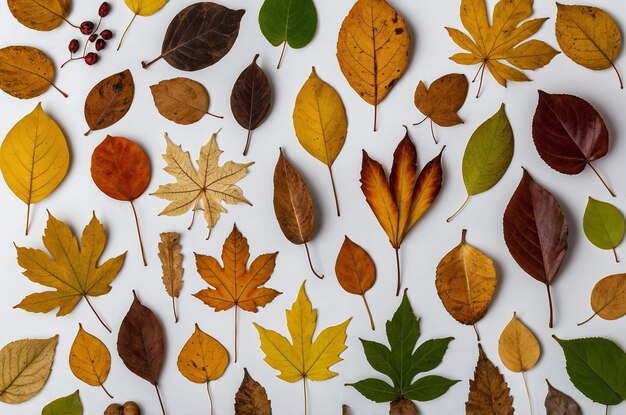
(603, 224)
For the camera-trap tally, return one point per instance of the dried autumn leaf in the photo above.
(441, 102)
(109, 100)
(25, 366)
(303, 358)
(400, 202)
(26, 72)
(293, 206)
(320, 122)
(589, 36)
(356, 272)
(181, 100)
(251, 98)
(251, 398)
(73, 270)
(34, 158)
(121, 170)
(569, 134)
(603, 225)
(43, 15)
(608, 298)
(203, 359)
(234, 285)
(141, 8)
(204, 189)
(373, 50)
(501, 40)
(487, 156)
(466, 281)
(90, 360)
(558, 403)
(488, 394)
(141, 344)
(535, 232)
(67, 405)
(199, 36)
(346, 410)
(172, 266)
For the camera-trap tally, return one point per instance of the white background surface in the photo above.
(431, 239)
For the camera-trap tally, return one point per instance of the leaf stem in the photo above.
(57, 88)
(432, 131)
(530, 404)
(106, 391)
(305, 397)
(221, 117)
(27, 217)
(282, 55)
(455, 214)
(236, 332)
(208, 390)
(308, 254)
(369, 312)
(550, 324)
(615, 255)
(619, 77)
(398, 270)
(375, 116)
(332, 181)
(588, 320)
(143, 254)
(174, 309)
(420, 122)
(478, 72)
(119, 45)
(601, 179)
(476, 331)
(156, 386)
(96, 313)
(480, 84)
(245, 150)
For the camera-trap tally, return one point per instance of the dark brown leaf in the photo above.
(346, 410)
(251, 98)
(109, 100)
(535, 232)
(489, 394)
(251, 398)
(402, 406)
(558, 403)
(199, 36)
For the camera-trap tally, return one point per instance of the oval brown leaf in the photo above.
(535, 232)
(356, 272)
(608, 298)
(199, 36)
(251, 98)
(141, 344)
(109, 101)
(558, 403)
(489, 394)
(251, 398)
(181, 100)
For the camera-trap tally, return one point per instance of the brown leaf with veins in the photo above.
(558, 403)
(489, 394)
(109, 100)
(251, 398)
(172, 266)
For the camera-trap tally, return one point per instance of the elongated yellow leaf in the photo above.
(90, 360)
(42, 15)
(518, 346)
(34, 157)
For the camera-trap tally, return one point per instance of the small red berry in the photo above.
(86, 27)
(104, 9)
(91, 58)
(101, 44)
(93, 37)
(73, 46)
(106, 34)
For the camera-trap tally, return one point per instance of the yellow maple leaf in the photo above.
(501, 40)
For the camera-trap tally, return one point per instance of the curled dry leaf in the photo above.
(346, 410)
(558, 403)
(141, 344)
(199, 36)
(488, 392)
(121, 170)
(25, 365)
(172, 266)
(293, 206)
(129, 408)
(67, 405)
(26, 72)
(320, 122)
(203, 189)
(34, 158)
(373, 50)
(535, 232)
(589, 36)
(608, 298)
(141, 8)
(90, 360)
(251, 98)
(569, 134)
(203, 359)
(181, 100)
(441, 102)
(43, 15)
(400, 202)
(251, 398)
(603, 225)
(73, 270)
(109, 100)
(356, 272)
(234, 285)
(466, 281)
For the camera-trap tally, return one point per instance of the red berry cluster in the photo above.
(90, 30)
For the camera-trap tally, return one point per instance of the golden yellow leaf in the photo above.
(34, 157)
(42, 15)
(141, 8)
(466, 282)
(373, 50)
(90, 360)
(25, 366)
(25, 72)
(518, 346)
(172, 266)
(608, 298)
(589, 36)
(319, 119)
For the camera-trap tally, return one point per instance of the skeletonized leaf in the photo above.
(518, 347)
(251, 398)
(181, 100)
(68, 405)
(109, 100)
(558, 403)
(90, 360)
(41, 15)
(603, 224)
(26, 72)
(488, 392)
(172, 266)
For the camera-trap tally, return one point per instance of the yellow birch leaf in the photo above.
(34, 157)
(373, 49)
(90, 360)
(141, 8)
(518, 347)
(319, 119)
(25, 72)
(41, 15)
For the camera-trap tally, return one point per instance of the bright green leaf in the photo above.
(603, 224)
(597, 367)
(375, 390)
(429, 388)
(68, 405)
